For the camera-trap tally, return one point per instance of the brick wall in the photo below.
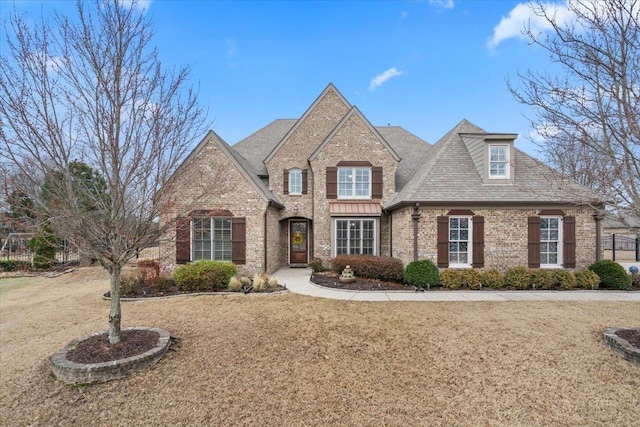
(505, 235)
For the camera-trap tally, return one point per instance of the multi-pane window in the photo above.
(211, 239)
(499, 161)
(459, 241)
(550, 239)
(354, 182)
(295, 181)
(355, 236)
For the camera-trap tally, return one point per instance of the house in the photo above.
(331, 183)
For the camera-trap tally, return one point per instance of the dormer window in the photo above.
(499, 162)
(354, 182)
(295, 181)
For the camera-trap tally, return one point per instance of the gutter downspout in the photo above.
(599, 216)
(415, 216)
(266, 212)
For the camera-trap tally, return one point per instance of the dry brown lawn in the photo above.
(290, 360)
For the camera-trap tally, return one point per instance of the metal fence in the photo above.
(625, 243)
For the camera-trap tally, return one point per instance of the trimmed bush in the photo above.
(540, 279)
(612, 274)
(587, 279)
(564, 279)
(204, 275)
(421, 274)
(471, 278)
(370, 266)
(517, 277)
(451, 279)
(492, 278)
(316, 265)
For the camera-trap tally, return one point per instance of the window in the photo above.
(550, 239)
(355, 236)
(295, 181)
(498, 161)
(460, 241)
(354, 182)
(211, 239)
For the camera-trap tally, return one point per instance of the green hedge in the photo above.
(204, 275)
(612, 274)
(421, 274)
(9, 265)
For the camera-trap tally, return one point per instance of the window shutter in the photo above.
(443, 241)
(478, 242)
(305, 185)
(569, 236)
(534, 242)
(285, 181)
(239, 240)
(183, 240)
(332, 183)
(376, 182)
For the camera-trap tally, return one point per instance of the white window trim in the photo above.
(334, 232)
(469, 244)
(560, 242)
(353, 183)
(295, 193)
(212, 241)
(507, 162)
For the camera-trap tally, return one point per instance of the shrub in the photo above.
(130, 283)
(564, 279)
(316, 265)
(259, 283)
(246, 282)
(471, 278)
(635, 280)
(273, 282)
(517, 277)
(149, 270)
(540, 278)
(421, 273)
(373, 267)
(587, 279)
(612, 274)
(43, 246)
(204, 275)
(492, 278)
(162, 283)
(9, 265)
(235, 284)
(451, 279)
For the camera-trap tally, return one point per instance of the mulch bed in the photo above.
(329, 279)
(97, 349)
(631, 335)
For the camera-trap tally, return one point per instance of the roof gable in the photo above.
(329, 90)
(354, 112)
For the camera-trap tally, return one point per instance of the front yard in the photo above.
(286, 359)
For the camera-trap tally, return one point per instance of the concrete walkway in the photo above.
(297, 280)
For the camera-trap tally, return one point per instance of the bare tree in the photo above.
(90, 90)
(588, 113)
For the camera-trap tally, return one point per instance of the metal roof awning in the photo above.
(355, 209)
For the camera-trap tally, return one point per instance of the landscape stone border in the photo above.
(620, 345)
(86, 373)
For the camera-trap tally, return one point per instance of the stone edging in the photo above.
(85, 373)
(620, 345)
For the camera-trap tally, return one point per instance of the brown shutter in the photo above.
(569, 236)
(305, 185)
(534, 242)
(376, 182)
(239, 240)
(478, 242)
(285, 181)
(183, 240)
(443, 241)
(332, 183)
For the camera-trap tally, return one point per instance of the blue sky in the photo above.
(422, 65)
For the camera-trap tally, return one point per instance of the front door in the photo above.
(298, 242)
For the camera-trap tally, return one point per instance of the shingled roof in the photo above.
(448, 174)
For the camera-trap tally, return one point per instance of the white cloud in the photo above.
(380, 79)
(523, 16)
(444, 4)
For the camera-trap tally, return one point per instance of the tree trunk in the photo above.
(114, 312)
